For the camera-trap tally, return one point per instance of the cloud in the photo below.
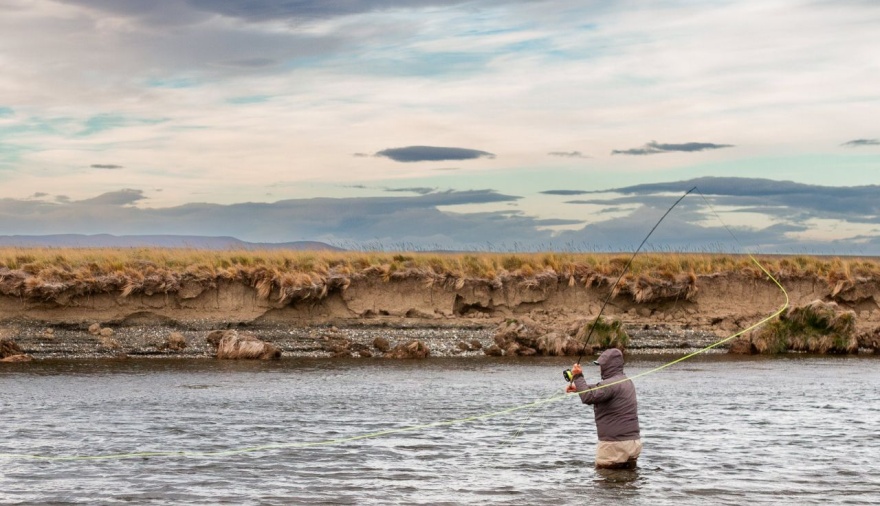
(432, 154)
(108, 166)
(39, 195)
(567, 154)
(681, 231)
(393, 220)
(766, 215)
(261, 10)
(793, 214)
(564, 192)
(116, 198)
(347, 77)
(862, 142)
(654, 147)
(251, 63)
(781, 200)
(419, 190)
(191, 11)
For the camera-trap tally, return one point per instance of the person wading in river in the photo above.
(616, 411)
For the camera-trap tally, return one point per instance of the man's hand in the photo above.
(576, 369)
(571, 388)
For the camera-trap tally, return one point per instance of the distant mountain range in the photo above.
(154, 241)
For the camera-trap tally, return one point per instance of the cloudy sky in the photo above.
(485, 124)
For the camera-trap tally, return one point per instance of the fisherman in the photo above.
(616, 411)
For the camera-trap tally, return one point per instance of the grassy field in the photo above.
(42, 272)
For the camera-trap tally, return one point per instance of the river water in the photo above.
(716, 430)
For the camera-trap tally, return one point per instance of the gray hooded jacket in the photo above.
(615, 406)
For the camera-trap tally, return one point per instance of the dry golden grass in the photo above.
(295, 275)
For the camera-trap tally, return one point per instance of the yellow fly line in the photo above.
(411, 428)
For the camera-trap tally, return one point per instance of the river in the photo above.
(716, 430)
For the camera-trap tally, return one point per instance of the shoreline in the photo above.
(316, 341)
(155, 303)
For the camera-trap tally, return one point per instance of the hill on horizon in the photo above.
(154, 241)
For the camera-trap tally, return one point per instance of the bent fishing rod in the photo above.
(567, 372)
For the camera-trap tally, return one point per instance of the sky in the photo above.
(425, 124)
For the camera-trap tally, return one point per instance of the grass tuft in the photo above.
(818, 327)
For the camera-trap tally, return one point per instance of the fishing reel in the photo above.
(569, 377)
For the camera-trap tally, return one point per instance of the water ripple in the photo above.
(720, 431)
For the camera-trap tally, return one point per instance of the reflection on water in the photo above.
(716, 430)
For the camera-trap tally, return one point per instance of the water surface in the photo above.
(716, 430)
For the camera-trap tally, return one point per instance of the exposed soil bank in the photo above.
(687, 314)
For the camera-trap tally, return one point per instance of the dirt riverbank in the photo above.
(453, 318)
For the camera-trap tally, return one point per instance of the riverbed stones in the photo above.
(339, 346)
(234, 345)
(411, 349)
(526, 337)
(174, 342)
(107, 342)
(517, 336)
(557, 344)
(382, 344)
(493, 351)
(12, 352)
(870, 340)
(8, 347)
(17, 358)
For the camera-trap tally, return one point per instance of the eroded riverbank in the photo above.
(343, 312)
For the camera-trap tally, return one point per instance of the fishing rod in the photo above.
(567, 373)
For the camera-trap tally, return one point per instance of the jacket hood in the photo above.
(610, 363)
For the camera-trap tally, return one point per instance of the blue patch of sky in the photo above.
(10, 154)
(104, 122)
(67, 126)
(826, 169)
(523, 181)
(6, 112)
(542, 46)
(250, 99)
(311, 61)
(46, 126)
(172, 82)
(455, 63)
